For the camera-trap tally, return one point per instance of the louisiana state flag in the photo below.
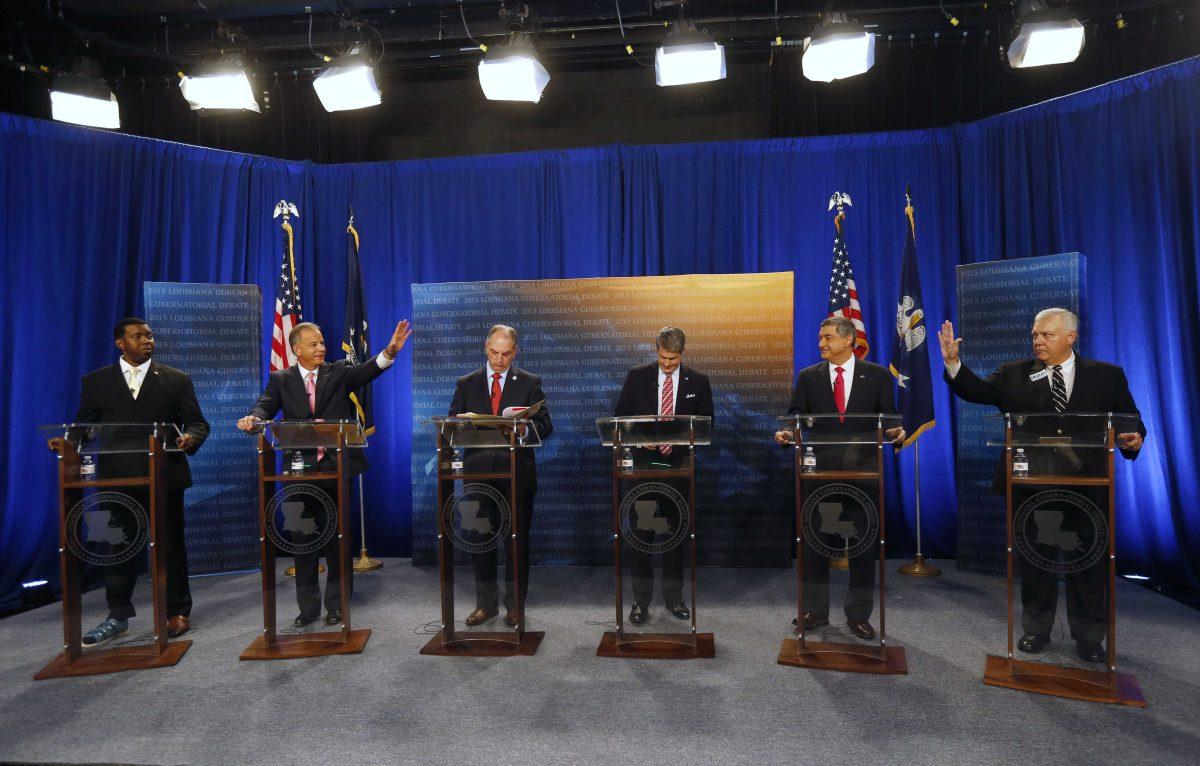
(910, 345)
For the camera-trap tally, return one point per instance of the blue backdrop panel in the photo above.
(214, 333)
(996, 305)
(86, 217)
(581, 336)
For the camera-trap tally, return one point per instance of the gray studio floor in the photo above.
(565, 705)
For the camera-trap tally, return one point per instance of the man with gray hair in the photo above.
(1056, 380)
(492, 389)
(665, 386)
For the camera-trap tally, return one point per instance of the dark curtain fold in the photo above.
(1113, 172)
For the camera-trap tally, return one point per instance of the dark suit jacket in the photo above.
(639, 394)
(1099, 387)
(166, 396)
(335, 382)
(870, 393)
(521, 389)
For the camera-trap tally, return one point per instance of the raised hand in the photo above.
(948, 343)
(399, 338)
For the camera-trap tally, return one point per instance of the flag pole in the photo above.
(364, 563)
(918, 568)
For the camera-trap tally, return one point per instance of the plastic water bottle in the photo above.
(1020, 464)
(456, 462)
(297, 462)
(626, 460)
(87, 468)
(809, 462)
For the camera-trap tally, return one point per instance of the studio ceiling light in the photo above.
(688, 56)
(221, 87)
(838, 48)
(511, 71)
(82, 98)
(1045, 36)
(348, 83)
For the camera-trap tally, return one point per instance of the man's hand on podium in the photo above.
(185, 442)
(784, 438)
(897, 436)
(1130, 441)
(399, 338)
(249, 424)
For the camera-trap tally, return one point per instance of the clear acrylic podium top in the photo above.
(655, 430)
(1078, 430)
(851, 428)
(314, 434)
(113, 438)
(485, 431)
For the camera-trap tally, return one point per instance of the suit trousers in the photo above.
(308, 585)
(641, 565)
(860, 595)
(487, 592)
(120, 579)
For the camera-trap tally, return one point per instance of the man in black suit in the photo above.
(842, 384)
(138, 390)
(1056, 380)
(663, 387)
(313, 388)
(492, 389)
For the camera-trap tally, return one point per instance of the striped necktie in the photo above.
(1058, 389)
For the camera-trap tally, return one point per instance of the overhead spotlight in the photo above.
(838, 48)
(512, 72)
(1045, 36)
(348, 83)
(688, 56)
(83, 98)
(219, 87)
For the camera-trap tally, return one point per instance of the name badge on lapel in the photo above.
(1035, 377)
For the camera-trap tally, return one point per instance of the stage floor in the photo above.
(567, 706)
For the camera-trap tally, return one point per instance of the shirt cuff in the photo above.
(952, 369)
(383, 361)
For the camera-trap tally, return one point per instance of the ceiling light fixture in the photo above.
(348, 83)
(81, 97)
(1045, 36)
(220, 87)
(512, 72)
(688, 56)
(837, 49)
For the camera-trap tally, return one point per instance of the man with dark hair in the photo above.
(1056, 380)
(138, 390)
(842, 384)
(492, 389)
(665, 386)
(313, 388)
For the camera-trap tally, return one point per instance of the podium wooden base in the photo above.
(846, 658)
(292, 647)
(482, 644)
(1056, 681)
(658, 646)
(114, 660)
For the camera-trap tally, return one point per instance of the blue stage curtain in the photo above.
(1113, 172)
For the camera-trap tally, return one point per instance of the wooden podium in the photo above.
(131, 462)
(835, 457)
(652, 518)
(1066, 464)
(479, 516)
(326, 515)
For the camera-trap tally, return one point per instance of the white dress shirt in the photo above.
(847, 375)
(135, 385)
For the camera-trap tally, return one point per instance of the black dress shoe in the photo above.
(1032, 643)
(861, 629)
(680, 610)
(1090, 651)
(301, 621)
(637, 615)
(334, 617)
(811, 621)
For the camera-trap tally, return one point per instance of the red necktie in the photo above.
(839, 394)
(495, 393)
(667, 406)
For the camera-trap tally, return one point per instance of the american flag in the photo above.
(287, 305)
(843, 295)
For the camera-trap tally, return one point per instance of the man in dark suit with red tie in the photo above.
(493, 389)
(842, 384)
(138, 390)
(663, 387)
(1056, 380)
(313, 388)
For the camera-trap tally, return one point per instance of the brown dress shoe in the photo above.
(510, 619)
(177, 626)
(480, 616)
(811, 621)
(861, 629)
